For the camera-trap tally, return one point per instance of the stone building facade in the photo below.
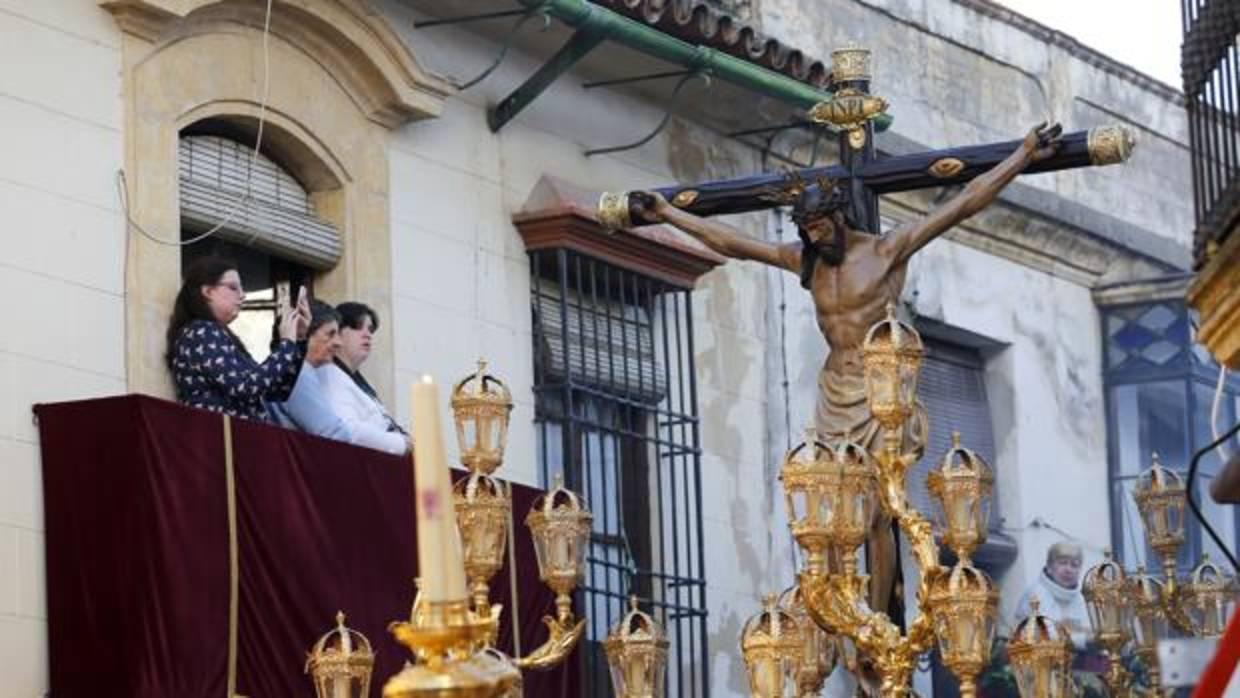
(367, 113)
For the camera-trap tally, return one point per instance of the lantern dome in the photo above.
(481, 405)
(340, 663)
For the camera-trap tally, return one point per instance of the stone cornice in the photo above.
(351, 40)
(1076, 49)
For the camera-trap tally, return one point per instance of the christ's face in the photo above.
(825, 234)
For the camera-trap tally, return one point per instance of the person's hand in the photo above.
(290, 323)
(648, 206)
(1042, 142)
(302, 313)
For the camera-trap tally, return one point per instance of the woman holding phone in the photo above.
(210, 366)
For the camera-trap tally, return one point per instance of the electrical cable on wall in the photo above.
(122, 185)
(1192, 501)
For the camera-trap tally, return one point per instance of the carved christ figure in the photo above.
(852, 276)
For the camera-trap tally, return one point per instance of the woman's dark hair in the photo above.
(190, 304)
(320, 314)
(353, 314)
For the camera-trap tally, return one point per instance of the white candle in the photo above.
(440, 563)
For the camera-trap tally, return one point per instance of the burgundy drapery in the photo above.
(137, 553)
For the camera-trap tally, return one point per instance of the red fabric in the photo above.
(137, 553)
(1220, 669)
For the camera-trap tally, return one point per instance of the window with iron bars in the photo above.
(616, 416)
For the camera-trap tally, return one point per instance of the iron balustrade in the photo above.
(616, 415)
(1210, 61)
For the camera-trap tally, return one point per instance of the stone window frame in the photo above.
(340, 80)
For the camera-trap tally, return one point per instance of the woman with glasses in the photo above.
(210, 366)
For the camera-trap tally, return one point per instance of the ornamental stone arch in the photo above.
(339, 80)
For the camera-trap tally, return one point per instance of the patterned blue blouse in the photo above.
(212, 372)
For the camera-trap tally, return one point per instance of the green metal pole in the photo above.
(720, 65)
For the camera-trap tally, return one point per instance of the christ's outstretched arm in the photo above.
(720, 237)
(1041, 143)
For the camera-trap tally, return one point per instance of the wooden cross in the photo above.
(863, 176)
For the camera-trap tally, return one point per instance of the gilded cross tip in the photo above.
(1034, 606)
(768, 602)
(891, 311)
(632, 602)
(558, 481)
(955, 439)
(340, 619)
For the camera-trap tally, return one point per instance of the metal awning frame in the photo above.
(593, 24)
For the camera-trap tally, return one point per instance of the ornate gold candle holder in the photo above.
(958, 607)
(341, 662)
(637, 655)
(1041, 654)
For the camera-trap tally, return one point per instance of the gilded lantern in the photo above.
(560, 524)
(961, 486)
(481, 404)
(1149, 619)
(830, 496)
(1209, 598)
(772, 644)
(963, 605)
(637, 654)
(1040, 651)
(340, 663)
(818, 648)
(1159, 494)
(891, 354)
(1105, 589)
(482, 511)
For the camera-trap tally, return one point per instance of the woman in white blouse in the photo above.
(351, 397)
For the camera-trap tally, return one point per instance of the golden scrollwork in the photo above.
(945, 167)
(1110, 145)
(850, 63)
(849, 110)
(613, 211)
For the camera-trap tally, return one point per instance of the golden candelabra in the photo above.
(559, 520)
(833, 494)
(1040, 650)
(1141, 608)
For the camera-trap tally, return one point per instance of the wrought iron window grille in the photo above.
(616, 415)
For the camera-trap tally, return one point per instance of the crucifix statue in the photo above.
(851, 270)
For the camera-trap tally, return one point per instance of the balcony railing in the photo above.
(1210, 62)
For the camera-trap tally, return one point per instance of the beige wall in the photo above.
(61, 283)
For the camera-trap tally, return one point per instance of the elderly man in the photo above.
(1058, 591)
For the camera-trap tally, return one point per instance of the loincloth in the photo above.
(843, 412)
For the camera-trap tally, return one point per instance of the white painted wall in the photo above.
(61, 276)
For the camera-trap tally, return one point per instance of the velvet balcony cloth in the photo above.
(135, 504)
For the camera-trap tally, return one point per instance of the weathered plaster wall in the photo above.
(955, 76)
(455, 187)
(61, 276)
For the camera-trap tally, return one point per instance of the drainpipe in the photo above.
(595, 24)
